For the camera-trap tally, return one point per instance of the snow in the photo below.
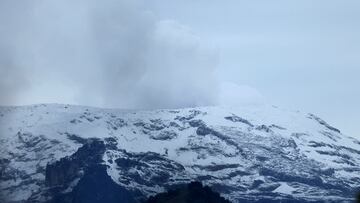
(285, 188)
(55, 121)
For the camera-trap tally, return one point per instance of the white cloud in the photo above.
(232, 94)
(110, 53)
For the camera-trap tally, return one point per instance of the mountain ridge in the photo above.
(249, 153)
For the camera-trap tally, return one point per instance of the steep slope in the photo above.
(246, 154)
(190, 193)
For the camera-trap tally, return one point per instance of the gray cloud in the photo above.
(12, 75)
(12, 80)
(113, 54)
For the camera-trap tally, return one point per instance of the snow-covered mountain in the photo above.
(260, 153)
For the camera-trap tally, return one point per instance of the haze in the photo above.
(160, 54)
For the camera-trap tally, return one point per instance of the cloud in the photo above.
(109, 53)
(12, 81)
(232, 94)
(12, 75)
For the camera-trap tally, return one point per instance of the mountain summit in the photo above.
(64, 153)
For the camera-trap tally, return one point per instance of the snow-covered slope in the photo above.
(254, 153)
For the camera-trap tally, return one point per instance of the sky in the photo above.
(299, 55)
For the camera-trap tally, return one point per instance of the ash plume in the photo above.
(102, 53)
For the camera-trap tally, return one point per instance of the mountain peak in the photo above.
(245, 153)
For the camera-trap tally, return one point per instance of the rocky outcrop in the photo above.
(62, 172)
(193, 192)
(235, 118)
(322, 122)
(82, 177)
(95, 186)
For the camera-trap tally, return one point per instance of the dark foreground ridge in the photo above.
(194, 192)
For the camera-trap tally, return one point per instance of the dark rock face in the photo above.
(235, 118)
(322, 122)
(3, 165)
(203, 130)
(164, 135)
(191, 193)
(94, 187)
(82, 178)
(75, 138)
(154, 125)
(337, 187)
(156, 170)
(192, 114)
(277, 127)
(264, 128)
(115, 123)
(196, 123)
(274, 200)
(66, 169)
(217, 167)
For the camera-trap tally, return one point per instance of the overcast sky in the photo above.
(298, 54)
(301, 55)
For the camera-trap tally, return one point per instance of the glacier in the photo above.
(248, 154)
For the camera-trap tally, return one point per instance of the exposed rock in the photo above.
(164, 135)
(218, 167)
(96, 186)
(322, 122)
(155, 168)
(196, 123)
(151, 151)
(62, 172)
(76, 138)
(153, 126)
(235, 118)
(191, 193)
(115, 123)
(75, 121)
(204, 130)
(264, 128)
(83, 178)
(193, 114)
(277, 127)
